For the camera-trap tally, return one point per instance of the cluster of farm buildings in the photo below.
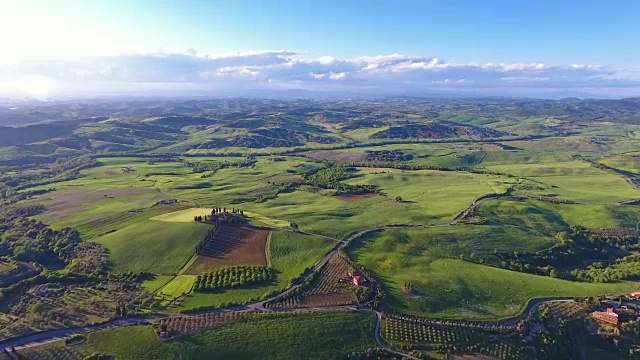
(611, 315)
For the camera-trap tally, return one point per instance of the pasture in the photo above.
(152, 246)
(428, 197)
(572, 180)
(444, 286)
(178, 286)
(551, 218)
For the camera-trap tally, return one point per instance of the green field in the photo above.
(284, 336)
(179, 285)
(156, 283)
(429, 197)
(552, 218)
(573, 180)
(445, 286)
(187, 215)
(153, 246)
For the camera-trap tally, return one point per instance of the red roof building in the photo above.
(357, 280)
(636, 294)
(609, 317)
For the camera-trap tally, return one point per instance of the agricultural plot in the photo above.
(152, 246)
(428, 197)
(230, 246)
(187, 215)
(55, 351)
(289, 254)
(183, 216)
(181, 325)
(270, 337)
(443, 286)
(332, 286)
(548, 218)
(564, 310)
(175, 290)
(571, 180)
(402, 331)
(508, 349)
(74, 306)
(232, 277)
(74, 207)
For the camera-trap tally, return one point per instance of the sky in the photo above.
(57, 48)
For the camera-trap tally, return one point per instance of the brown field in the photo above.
(335, 155)
(65, 203)
(231, 246)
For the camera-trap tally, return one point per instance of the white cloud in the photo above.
(338, 76)
(281, 69)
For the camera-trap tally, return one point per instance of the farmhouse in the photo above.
(357, 279)
(608, 317)
(636, 294)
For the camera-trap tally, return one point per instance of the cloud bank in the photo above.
(192, 72)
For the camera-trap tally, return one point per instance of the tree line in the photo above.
(232, 277)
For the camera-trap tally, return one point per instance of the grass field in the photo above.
(573, 180)
(153, 246)
(179, 285)
(429, 197)
(187, 215)
(448, 287)
(550, 218)
(335, 334)
(156, 283)
(183, 216)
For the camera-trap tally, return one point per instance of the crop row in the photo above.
(417, 333)
(232, 277)
(564, 309)
(331, 286)
(506, 350)
(188, 324)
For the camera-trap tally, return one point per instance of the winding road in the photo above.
(49, 336)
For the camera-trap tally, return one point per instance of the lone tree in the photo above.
(398, 198)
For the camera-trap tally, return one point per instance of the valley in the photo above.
(401, 228)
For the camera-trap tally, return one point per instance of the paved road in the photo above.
(55, 335)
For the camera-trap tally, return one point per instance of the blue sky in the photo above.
(598, 35)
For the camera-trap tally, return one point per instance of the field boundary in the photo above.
(267, 249)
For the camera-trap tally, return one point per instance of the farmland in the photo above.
(153, 246)
(230, 246)
(331, 286)
(266, 337)
(445, 210)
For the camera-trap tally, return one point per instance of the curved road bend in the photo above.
(58, 334)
